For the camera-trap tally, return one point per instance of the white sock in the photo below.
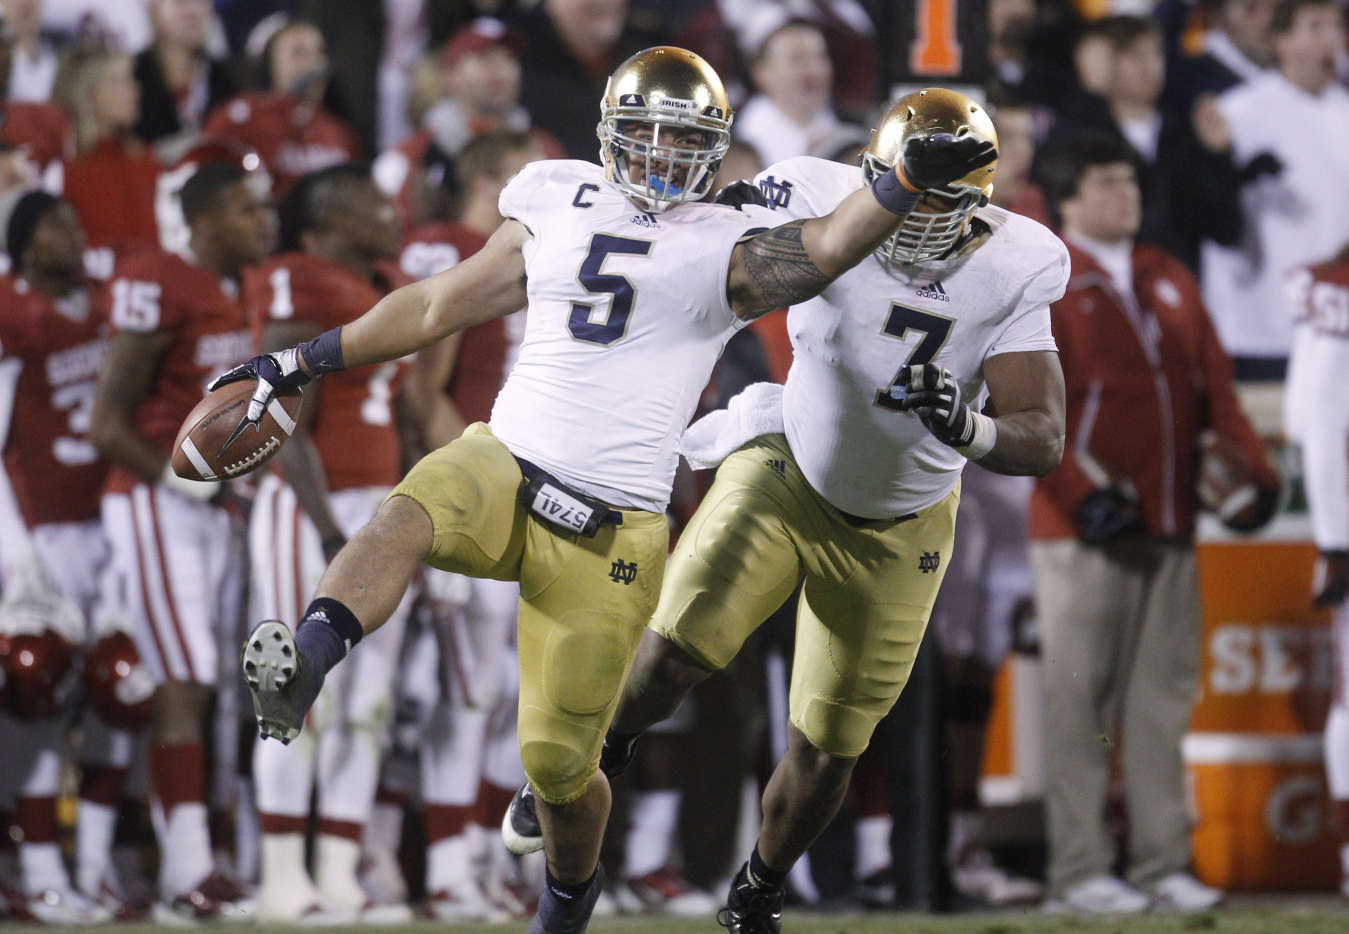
(42, 867)
(964, 834)
(651, 829)
(94, 828)
(452, 756)
(186, 849)
(1337, 751)
(281, 862)
(872, 845)
(348, 772)
(335, 871)
(449, 863)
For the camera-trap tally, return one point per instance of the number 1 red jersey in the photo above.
(50, 355)
(353, 428)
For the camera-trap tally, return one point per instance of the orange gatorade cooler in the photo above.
(1254, 756)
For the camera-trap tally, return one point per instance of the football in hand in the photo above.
(201, 451)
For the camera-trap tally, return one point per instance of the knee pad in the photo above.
(837, 727)
(557, 760)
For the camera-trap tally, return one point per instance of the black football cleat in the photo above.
(520, 829)
(751, 909)
(273, 672)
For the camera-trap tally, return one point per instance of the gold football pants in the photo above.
(867, 595)
(583, 601)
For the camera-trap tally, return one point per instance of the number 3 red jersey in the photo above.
(354, 427)
(157, 292)
(50, 355)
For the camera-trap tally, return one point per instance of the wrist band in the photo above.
(323, 354)
(985, 436)
(894, 194)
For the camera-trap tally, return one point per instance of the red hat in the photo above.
(484, 32)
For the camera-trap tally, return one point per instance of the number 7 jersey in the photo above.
(855, 447)
(627, 315)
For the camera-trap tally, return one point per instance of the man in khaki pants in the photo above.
(1112, 532)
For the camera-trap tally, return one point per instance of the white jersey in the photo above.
(627, 315)
(864, 457)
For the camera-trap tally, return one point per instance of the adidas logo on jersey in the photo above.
(933, 291)
(643, 220)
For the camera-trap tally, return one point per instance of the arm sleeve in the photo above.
(515, 198)
(1029, 327)
(1325, 437)
(791, 190)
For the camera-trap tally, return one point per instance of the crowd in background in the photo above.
(374, 138)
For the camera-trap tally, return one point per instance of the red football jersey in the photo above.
(42, 131)
(50, 355)
(353, 428)
(486, 351)
(289, 145)
(154, 291)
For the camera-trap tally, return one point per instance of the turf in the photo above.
(1315, 915)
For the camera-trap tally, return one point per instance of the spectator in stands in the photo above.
(180, 83)
(111, 180)
(572, 47)
(1238, 46)
(1190, 186)
(479, 75)
(791, 110)
(32, 67)
(40, 130)
(286, 122)
(1112, 532)
(1290, 134)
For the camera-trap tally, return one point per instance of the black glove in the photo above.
(1106, 512)
(1330, 582)
(932, 393)
(273, 372)
(740, 193)
(936, 160)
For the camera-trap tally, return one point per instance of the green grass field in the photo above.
(1313, 915)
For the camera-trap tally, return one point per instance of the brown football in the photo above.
(200, 452)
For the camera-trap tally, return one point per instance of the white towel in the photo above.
(755, 412)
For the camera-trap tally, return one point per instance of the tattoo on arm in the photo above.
(780, 270)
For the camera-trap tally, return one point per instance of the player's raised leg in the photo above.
(360, 591)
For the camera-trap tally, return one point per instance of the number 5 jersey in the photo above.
(627, 314)
(991, 296)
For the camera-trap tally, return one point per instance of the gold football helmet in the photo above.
(665, 124)
(922, 235)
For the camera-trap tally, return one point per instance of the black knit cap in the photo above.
(23, 220)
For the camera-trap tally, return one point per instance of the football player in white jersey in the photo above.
(633, 288)
(847, 480)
